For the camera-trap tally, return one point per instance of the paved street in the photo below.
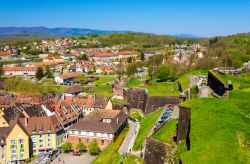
(68, 158)
(129, 140)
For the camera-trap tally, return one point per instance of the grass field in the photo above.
(165, 133)
(24, 87)
(135, 114)
(111, 156)
(184, 81)
(104, 80)
(133, 82)
(163, 89)
(146, 124)
(220, 131)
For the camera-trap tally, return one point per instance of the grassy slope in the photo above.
(163, 89)
(214, 127)
(146, 124)
(135, 115)
(133, 82)
(111, 156)
(184, 81)
(103, 80)
(19, 86)
(166, 131)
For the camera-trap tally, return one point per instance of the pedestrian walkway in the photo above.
(129, 140)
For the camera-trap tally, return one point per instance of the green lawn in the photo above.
(104, 80)
(241, 82)
(146, 124)
(135, 115)
(133, 82)
(199, 72)
(220, 130)
(111, 156)
(184, 81)
(163, 89)
(106, 88)
(132, 159)
(166, 132)
(25, 87)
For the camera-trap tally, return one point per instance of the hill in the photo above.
(60, 31)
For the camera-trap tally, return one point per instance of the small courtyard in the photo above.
(68, 158)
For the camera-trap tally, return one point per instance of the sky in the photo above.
(197, 17)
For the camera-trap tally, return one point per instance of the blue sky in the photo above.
(197, 17)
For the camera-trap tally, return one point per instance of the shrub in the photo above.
(94, 148)
(81, 147)
(67, 147)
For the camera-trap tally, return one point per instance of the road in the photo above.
(129, 140)
(204, 91)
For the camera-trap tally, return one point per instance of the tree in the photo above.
(142, 56)
(129, 59)
(164, 72)
(150, 72)
(94, 148)
(39, 73)
(82, 57)
(66, 147)
(131, 69)
(81, 147)
(48, 73)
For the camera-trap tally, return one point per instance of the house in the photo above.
(19, 71)
(46, 133)
(100, 125)
(74, 90)
(67, 78)
(14, 144)
(56, 59)
(5, 55)
(68, 112)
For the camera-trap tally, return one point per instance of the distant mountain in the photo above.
(53, 31)
(187, 36)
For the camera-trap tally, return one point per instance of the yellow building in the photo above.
(46, 133)
(14, 143)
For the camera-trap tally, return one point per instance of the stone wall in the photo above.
(139, 98)
(184, 124)
(215, 84)
(157, 152)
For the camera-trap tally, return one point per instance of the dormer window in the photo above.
(106, 120)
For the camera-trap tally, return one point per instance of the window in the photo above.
(21, 141)
(13, 151)
(13, 157)
(48, 135)
(49, 145)
(106, 120)
(13, 142)
(48, 139)
(40, 141)
(83, 133)
(22, 150)
(13, 146)
(41, 145)
(75, 132)
(22, 156)
(40, 136)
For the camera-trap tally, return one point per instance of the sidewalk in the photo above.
(129, 140)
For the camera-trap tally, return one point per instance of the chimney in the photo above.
(26, 121)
